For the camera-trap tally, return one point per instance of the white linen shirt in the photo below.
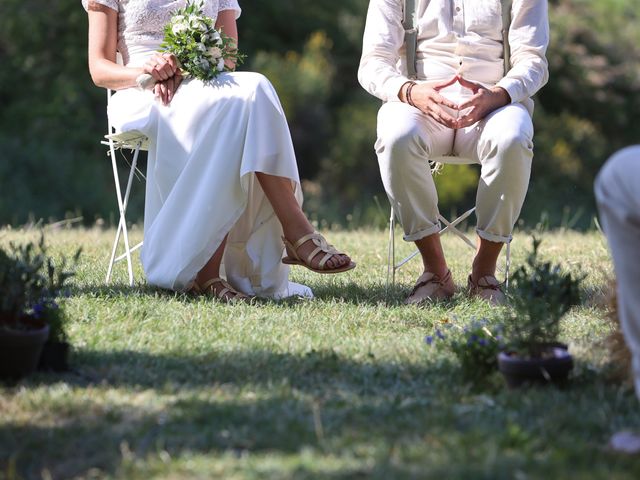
(456, 37)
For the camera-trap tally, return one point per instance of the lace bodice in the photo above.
(140, 22)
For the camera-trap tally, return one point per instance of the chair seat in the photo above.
(453, 160)
(130, 140)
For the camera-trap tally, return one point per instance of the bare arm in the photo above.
(226, 22)
(103, 38)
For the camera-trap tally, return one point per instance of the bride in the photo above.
(222, 182)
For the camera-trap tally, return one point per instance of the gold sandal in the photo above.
(227, 294)
(322, 246)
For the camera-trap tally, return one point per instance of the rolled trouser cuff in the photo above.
(492, 237)
(413, 237)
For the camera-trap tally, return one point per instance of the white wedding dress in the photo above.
(205, 148)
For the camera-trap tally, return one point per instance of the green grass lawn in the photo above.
(340, 387)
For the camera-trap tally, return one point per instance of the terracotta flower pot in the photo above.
(54, 357)
(20, 349)
(553, 367)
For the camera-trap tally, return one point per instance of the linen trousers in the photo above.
(618, 200)
(502, 143)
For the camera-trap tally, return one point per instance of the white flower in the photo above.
(215, 52)
(201, 47)
(197, 23)
(215, 36)
(179, 28)
(220, 66)
(204, 63)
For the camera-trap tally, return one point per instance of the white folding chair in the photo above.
(449, 226)
(135, 142)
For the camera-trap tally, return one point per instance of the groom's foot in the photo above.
(487, 288)
(431, 287)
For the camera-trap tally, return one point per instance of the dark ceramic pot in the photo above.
(20, 349)
(553, 367)
(54, 357)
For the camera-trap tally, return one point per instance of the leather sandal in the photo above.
(430, 287)
(487, 288)
(322, 247)
(226, 294)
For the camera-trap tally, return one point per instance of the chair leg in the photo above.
(122, 206)
(452, 226)
(391, 251)
(507, 266)
(449, 226)
(112, 260)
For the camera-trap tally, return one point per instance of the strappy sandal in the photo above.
(227, 294)
(322, 247)
(487, 288)
(430, 287)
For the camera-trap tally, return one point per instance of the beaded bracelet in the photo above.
(407, 94)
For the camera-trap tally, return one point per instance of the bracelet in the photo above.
(407, 94)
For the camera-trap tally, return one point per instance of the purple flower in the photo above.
(38, 310)
(428, 339)
(439, 334)
(482, 342)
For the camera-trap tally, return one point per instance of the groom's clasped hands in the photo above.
(428, 99)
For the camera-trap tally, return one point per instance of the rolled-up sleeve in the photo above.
(528, 40)
(112, 4)
(383, 44)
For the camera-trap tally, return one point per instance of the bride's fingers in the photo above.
(171, 60)
(170, 89)
(161, 92)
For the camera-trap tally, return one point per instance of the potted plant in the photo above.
(475, 344)
(55, 351)
(30, 285)
(541, 293)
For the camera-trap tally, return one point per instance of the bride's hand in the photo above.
(166, 89)
(161, 66)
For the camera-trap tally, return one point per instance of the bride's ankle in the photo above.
(294, 233)
(202, 278)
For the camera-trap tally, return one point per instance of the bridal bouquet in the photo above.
(200, 48)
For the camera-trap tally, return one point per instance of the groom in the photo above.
(460, 103)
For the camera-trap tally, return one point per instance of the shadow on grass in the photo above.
(352, 293)
(232, 402)
(310, 372)
(141, 406)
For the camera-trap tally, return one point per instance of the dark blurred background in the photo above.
(52, 117)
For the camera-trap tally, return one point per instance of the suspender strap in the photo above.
(410, 36)
(506, 23)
